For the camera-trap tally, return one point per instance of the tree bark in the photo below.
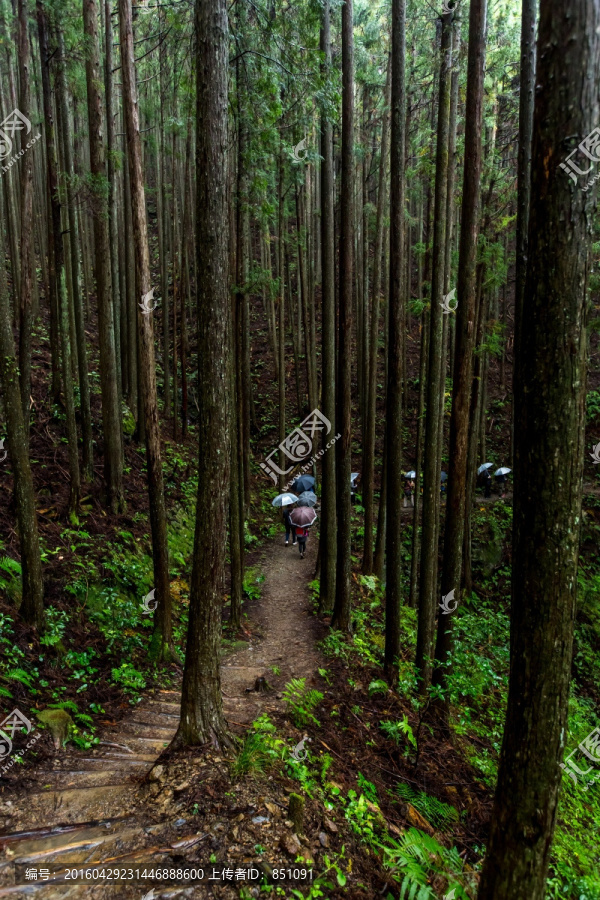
(201, 705)
(111, 414)
(57, 267)
(393, 547)
(526, 104)
(373, 353)
(431, 468)
(328, 533)
(32, 606)
(161, 646)
(550, 379)
(465, 337)
(74, 242)
(342, 610)
(25, 298)
(112, 190)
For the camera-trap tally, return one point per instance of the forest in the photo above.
(300, 449)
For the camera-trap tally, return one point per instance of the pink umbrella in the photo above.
(303, 516)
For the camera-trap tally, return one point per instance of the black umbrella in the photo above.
(304, 483)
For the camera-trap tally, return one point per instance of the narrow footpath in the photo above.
(86, 808)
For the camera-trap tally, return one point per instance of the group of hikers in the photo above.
(298, 511)
(298, 503)
(484, 480)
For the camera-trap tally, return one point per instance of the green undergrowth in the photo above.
(416, 864)
(104, 596)
(478, 689)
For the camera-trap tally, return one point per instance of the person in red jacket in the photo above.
(302, 536)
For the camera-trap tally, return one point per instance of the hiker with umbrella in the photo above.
(286, 501)
(484, 478)
(304, 483)
(501, 477)
(302, 518)
(409, 488)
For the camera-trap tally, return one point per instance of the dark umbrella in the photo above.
(307, 498)
(304, 483)
(303, 516)
(443, 477)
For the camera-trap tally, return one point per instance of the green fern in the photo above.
(416, 858)
(410, 855)
(394, 730)
(10, 566)
(441, 815)
(84, 719)
(378, 687)
(301, 702)
(10, 577)
(19, 675)
(65, 704)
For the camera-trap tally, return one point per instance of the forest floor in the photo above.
(119, 805)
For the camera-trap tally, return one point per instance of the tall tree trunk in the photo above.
(431, 468)
(163, 218)
(415, 542)
(465, 337)
(32, 606)
(526, 104)
(201, 705)
(111, 414)
(26, 249)
(112, 189)
(131, 301)
(242, 335)
(342, 617)
(161, 646)
(84, 383)
(373, 353)
(236, 546)
(57, 267)
(281, 273)
(550, 379)
(328, 534)
(393, 546)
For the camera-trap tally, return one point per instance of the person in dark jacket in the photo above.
(289, 527)
(487, 484)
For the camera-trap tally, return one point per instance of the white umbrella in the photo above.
(411, 474)
(284, 500)
(502, 471)
(484, 467)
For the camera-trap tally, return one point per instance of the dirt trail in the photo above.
(84, 808)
